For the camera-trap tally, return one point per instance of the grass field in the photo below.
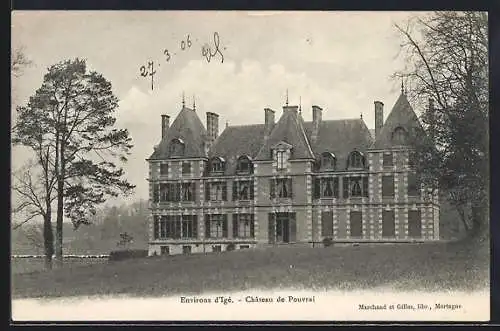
(29, 265)
(431, 266)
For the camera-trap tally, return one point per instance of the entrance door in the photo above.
(282, 228)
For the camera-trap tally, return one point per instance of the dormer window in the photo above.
(217, 164)
(244, 164)
(399, 136)
(177, 147)
(282, 152)
(356, 160)
(281, 159)
(328, 161)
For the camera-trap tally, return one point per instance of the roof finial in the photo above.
(194, 102)
(287, 97)
(227, 123)
(300, 103)
(183, 100)
(402, 86)
(361, 116)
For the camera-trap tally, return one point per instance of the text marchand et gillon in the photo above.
(249, 299)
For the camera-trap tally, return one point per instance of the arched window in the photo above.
(217, 164)
(356, 160)
(328, 161)
(399, 136)
(244, 164)
(177, 147)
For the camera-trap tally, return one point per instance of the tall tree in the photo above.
(76, 108)
(446, 56)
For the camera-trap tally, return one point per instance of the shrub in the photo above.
(230, 247)
(327, 242)
(127, 254)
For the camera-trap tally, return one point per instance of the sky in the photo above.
(341, 61)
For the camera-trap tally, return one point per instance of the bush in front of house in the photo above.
(230, 247)
(327, 242)
(127, 254)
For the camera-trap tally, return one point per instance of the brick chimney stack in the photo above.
(317, 116)
(212, 126)
(269, 119)
(379, 117)
(165, 122)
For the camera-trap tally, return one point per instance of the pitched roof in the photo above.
(340, 137)
(401, 115)
(289, 129)
(236, 141)
(188, 127)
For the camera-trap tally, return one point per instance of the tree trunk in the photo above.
(48, 240)
(59, 223)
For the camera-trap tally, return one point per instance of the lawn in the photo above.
(429, 266)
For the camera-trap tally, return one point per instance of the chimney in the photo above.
(379, 117)
(165, 121)
(317, 115)
(269, 119)
(212, 126)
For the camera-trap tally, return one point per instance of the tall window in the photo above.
(356, 160)
(327, 161)
(243, 225)
(399, 136)
(355, 186)
(388, 224)
(281, 188)
(413, 185)
(327, 224)
(388, 186)
(216, 226)
(388, 160)
(244, 164)
(176, 192)
(216, 191)
(176, 226)
(186, 168)
(163, 169)
(326, 187)
(243, 190)
(177, 147)
(217, 165)
(414, 224)
(356, 224)
(281, 159)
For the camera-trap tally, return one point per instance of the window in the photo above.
(216, 191)
(326, 187)
(216, 248)
(186, 249)
(356, 224)
(327, 224)
(243, 225)
(156, 192)
(281, 188)
(216, 226)
(413, 185)
(244, 164)
(244, 246)
(186, 168)
(388, 160)
(176, 192)
(388, 224)
(165, 250)
(217, 165)
(177, 147)
(328, 161)
(176, 226)
(387, 186)
(399, 136)
(414, 224)
(356, 160)
(242, 190)
(164, 169)
(281, 159)
(355, 187)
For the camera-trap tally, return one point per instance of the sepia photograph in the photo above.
(249, 166)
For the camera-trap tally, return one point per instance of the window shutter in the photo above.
(178, 191)
(272, 189)
(327, 224)
(251, 190)
(293, 228)
(235, 225)
(207, 226)
(224, 192)
(271, 228)
(156, 192)
(317, 188)
(235, 191)
(365, 186)
(290, 188)
(207, 191)
(345, 186)
(336, 187)
(156, 227)
(252, 225)
(195, 226)
(224, 226)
